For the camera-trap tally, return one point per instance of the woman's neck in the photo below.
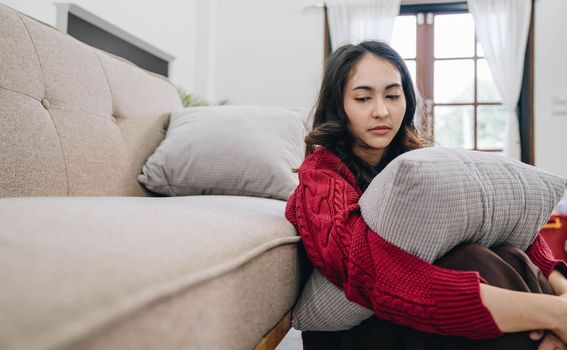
(370, 156)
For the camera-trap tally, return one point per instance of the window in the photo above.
(448, 67)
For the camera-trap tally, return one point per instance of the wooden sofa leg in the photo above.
(276, 334)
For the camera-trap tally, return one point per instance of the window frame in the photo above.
(426, 59)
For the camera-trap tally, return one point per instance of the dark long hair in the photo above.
(330, 120)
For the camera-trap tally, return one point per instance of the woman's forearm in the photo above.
(519, 311)
(558, 282)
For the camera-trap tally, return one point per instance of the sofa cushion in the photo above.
(230, 150)
(144, 273)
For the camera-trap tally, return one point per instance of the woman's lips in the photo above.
(381, 130)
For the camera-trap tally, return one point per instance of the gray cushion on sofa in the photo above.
(229, 150)
(429, 200)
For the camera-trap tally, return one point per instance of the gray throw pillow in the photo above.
(322, 306)
(427, 201)
(228, 150)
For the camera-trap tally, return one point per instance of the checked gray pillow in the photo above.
(427, 201)
(229, 150)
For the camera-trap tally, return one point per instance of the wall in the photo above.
(262, 52)
(167, 24)
(550, 80)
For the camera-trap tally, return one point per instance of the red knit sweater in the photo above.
(376, 274)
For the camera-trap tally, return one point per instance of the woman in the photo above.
(363, 120)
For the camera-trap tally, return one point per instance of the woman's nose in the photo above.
(380, 110)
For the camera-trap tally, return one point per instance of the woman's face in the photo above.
(375, 105)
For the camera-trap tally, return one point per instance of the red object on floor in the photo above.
(555, 234)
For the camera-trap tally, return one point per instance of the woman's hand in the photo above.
(558, 283)
(549, 342)
(520, 311)
(537, 335)
(552, 341)
(560, 329)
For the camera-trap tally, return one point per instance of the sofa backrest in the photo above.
(74, 120)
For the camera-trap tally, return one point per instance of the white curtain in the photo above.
(502, 28)
(353, 21)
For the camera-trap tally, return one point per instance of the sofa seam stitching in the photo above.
(112, 115)
(20, 93)
(45, 96)
(62, 107)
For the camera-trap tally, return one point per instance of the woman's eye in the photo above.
(393, 97)
(362, 99)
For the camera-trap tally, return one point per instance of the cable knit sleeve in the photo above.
(542, 257)
(396, 285)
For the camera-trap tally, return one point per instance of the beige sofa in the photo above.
(88, 258)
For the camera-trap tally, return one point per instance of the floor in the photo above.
(292, 341)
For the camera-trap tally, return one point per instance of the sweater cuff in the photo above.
(459, 307)
(547, 266)
(540, 254)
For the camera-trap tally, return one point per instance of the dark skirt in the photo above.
(504, 267)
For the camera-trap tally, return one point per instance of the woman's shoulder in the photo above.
(323, 160)
(320, 159)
